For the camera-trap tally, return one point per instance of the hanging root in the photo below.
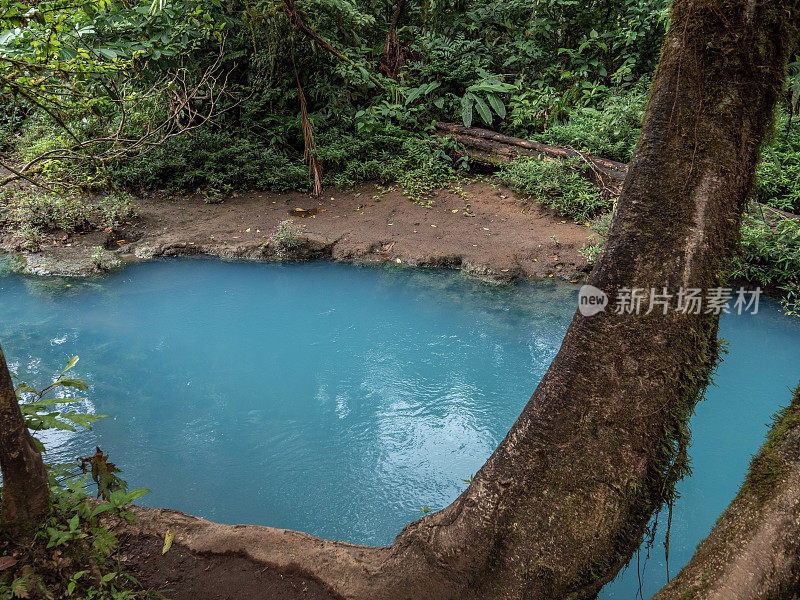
(310, 154)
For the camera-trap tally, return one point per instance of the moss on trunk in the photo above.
(753, 552)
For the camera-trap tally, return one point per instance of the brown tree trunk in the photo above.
(391, 58)
(561, 505)
(26, 497)
(753, 552)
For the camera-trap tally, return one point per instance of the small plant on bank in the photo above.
(558, 184)
(594, 245)
(103, 259)
(287, 238)
(71, 555)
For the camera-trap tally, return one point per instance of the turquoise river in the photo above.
(342, 400)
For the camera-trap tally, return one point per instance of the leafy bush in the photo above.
(31, 213)
(213, 163)
(610, 130)
(556, 183)
(770, 250)
(778, 173)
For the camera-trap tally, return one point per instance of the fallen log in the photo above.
(495, 148)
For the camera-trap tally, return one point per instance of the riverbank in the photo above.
(480, 227)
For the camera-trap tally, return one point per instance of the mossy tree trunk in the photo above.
(753, 552)
(562, 503)
(26, 497)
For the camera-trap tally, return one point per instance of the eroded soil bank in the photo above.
(483, 228)
(184, 574)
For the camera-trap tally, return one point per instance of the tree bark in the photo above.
(562, 503)
(753, 552)
(391, 58)
(26, 496)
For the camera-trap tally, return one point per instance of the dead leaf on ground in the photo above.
(6, 562)
(168, 537)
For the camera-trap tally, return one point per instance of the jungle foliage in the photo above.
(209, 96)
(102, 86)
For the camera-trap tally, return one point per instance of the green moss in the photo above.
(769, 466)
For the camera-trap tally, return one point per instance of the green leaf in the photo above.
(483, 110)
(37, 422)
(466, 110)
(100, 509)
(74, 360)
(168, 537)
(78, 384)
(82, 419)
(414, 94)
(135, 494)
(51, 401)
(497, 105)
(74, 523)
(25, 388)
(103, 541)
(488, 86)
(432, 86)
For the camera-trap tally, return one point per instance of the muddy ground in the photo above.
(481, 227)
(181, 574)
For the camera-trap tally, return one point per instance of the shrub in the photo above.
(286, 238)
(770, 250)
(213, 163)
(594, 245)
(610, 130)
(31, 213)
(556, 183)
(778, 173)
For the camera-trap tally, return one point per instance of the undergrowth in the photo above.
(556, 183)
(609, 129)
(31, 213)
(770, 253)
(778, 173)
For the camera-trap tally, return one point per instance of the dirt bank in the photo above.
(482, 228)
(183, 574)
